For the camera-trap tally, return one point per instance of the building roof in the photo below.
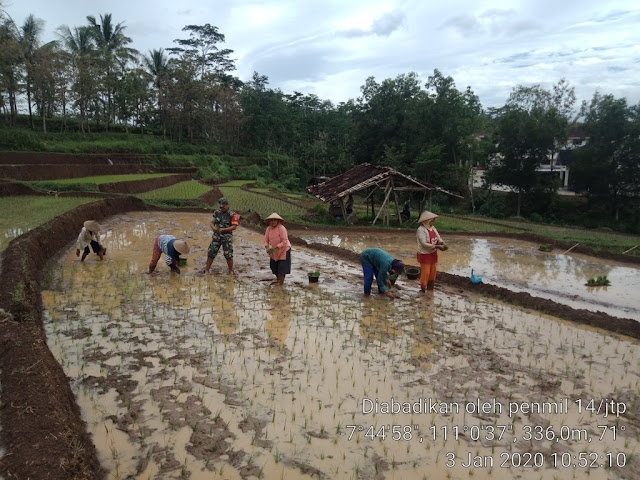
(367, 175)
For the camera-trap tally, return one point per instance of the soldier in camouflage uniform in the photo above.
(223, 224)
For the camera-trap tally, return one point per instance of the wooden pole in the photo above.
(632, 248)
(382, 207)
(430, 195)
(396, 197)
(571, 248)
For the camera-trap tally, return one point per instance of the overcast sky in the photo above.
(330, 47)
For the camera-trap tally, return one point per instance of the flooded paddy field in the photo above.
(514, 264)
(210, 376)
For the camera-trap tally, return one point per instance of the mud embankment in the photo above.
(42, 429)
(211, 197)
(139, 186)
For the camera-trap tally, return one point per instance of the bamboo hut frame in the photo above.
(367, 176)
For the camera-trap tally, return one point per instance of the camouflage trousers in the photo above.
(224, 240)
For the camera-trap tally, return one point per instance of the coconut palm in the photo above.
(29, 39)
(11, 59)
(112, 44)
(157, 64)
(81, 48)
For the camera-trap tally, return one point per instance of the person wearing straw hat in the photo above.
(429, 242)
(172, 248)
(376, 262)
(278, 246)
(223, 224)
(90, 236)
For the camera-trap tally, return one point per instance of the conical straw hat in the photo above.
(274, 216)
(426, 216)
(92, 226)
(181, 246)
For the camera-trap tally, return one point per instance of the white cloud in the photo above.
(330, 47)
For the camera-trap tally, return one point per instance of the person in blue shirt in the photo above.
(376, 262)
(172, 248)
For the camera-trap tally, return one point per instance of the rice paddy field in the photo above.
(231, 377)
(22, 213)
(245, 200)
(187, 190)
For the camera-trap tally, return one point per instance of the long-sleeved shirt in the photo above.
(165, 243)
(381, 261)
(85, 238)
(277, 237)
(427, 243)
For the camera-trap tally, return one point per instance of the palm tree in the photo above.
(30, 42)
(11, 58)
(157, 64)
(112, 43)
(80, 46)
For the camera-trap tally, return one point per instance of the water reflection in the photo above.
(277, 326)
(514, 264)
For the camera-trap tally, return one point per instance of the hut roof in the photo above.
(367, 175)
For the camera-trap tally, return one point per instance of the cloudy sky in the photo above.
(330, 47)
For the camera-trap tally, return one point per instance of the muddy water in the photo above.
(516, 265)
(203, 377)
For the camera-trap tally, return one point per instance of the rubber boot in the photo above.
(430, 285)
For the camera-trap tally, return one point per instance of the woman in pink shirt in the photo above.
(278, 246)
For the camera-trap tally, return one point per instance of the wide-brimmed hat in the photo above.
(92, 226)
(275, 216)
(426, 216)
(181, 246)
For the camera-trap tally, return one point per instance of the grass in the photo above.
(191, 189)
(23, 213)
(100, 179)
(236, 183)
(90, 184)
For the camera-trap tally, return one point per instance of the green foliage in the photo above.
(599, 281)
(545, 247)
(13, 139)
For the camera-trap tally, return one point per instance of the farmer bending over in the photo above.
(376, 262)
(90, 235)
(223, 224)
(172, 248)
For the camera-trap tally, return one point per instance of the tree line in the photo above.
(434, 131)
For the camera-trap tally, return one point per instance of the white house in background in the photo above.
(559, 164)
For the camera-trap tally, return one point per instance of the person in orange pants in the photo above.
(429, 242)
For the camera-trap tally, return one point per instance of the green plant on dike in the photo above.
(599, 281)
(545, 247)
(315, 274)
